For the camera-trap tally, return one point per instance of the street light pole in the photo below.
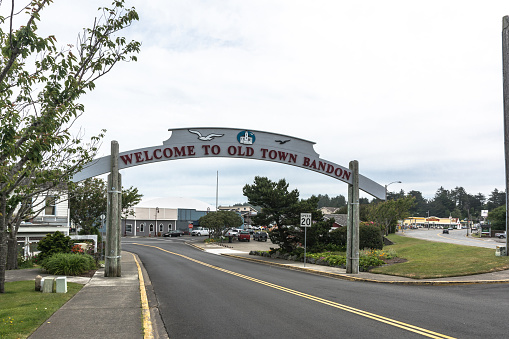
(394, 182)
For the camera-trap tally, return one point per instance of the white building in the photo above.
(156, 216)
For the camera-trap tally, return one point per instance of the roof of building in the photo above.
(340, 219)
(176, 202)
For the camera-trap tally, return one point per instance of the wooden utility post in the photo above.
(112, 254)
(505, 61)
(352, 228)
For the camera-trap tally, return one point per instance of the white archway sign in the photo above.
(186, 143)
(210, 142)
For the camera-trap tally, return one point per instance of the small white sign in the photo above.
(305, 220)
(484, 213)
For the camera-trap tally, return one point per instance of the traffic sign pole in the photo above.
(305, 221)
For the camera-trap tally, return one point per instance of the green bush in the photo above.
(370, 236)
(54, 243)
(69, 263)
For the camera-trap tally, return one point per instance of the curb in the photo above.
(350, 278)
(359, 279)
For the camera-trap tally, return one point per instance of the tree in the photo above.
(325, 201)
(497, 217)
(442, 204)
(28, 207)
(386, 214)
(395, 196)
(277, 203)
(281, 208)
(130, 198)
(220, 221)
(420, 207)
(40, 85)
(88, 201)
(496, 199)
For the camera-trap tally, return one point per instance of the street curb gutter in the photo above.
(351, 278)
(358, 279)
(151, 318)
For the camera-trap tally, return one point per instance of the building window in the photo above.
(142, 227)
(151, 228)
(161, 228)
(129, 228)
(50, 208)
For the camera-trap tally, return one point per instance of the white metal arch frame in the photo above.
(207, 142)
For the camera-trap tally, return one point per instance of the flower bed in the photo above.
(368, 259)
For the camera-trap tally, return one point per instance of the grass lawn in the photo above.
(23, 309)
(427, 259)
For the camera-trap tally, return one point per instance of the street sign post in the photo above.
(305, 221)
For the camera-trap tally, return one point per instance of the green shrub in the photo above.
(370, 236)
(54, 243)
(69, 263)
(367, 262)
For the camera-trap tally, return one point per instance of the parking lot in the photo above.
(243, 246)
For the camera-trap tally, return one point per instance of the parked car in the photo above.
(200, 231)
(260, 236)
(174, 233)
(232, 232)
(244, 235)
(500, 235)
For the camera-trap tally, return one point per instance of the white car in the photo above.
(232, 233)
(200, 231)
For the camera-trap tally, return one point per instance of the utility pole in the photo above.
(505, 62)
(112, 255)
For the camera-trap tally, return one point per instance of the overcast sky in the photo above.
(410, 89)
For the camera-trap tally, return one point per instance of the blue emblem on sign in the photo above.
(246, 138)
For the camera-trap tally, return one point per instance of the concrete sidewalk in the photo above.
(103, 308)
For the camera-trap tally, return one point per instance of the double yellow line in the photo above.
(382, 319)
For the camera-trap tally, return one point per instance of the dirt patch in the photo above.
(394, 261)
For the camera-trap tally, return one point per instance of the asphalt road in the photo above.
(203, 295)
(458, 237)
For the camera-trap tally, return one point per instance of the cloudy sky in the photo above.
(410, 89)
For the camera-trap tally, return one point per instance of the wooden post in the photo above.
(505, 62)
(352, 231)
(112, 253)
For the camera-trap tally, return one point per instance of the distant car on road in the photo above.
(445, 231)
(260, 236)
(174, 233)
(244, 235)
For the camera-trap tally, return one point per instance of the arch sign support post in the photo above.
(211, 142)
(112, 267)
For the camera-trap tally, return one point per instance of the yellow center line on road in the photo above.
(389, 321)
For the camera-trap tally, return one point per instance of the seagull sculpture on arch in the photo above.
(209, 137)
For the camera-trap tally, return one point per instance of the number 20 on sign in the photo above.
(305, 220)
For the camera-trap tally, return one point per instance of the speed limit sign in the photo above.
(305, 220)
